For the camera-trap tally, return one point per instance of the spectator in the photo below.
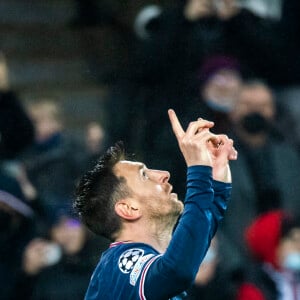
(273, 239)
(17, 218)
(195, 29)
(16, 135)
(59, 266)
(55, 160)
(220, 80)
(95, 140)
(177, 40)
(264, 178)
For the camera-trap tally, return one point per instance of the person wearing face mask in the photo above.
(219, 80)
(273, 239)
(267, 175)
(64, 257)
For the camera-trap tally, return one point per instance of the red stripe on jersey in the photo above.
(142, 281)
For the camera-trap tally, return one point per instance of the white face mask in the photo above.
(220, 105)
(292, 262)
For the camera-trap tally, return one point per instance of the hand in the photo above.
(34, 256)
(226, 9)
(196, 9)
(195, 142)
(220, 158)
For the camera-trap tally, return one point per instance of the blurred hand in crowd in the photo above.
(223, 9)
(39, 254)
(196, 9)
(226, 9)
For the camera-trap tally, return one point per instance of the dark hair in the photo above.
(289, 223)
(98, 191)
(16, 128)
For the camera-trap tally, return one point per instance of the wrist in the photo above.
(222, 174)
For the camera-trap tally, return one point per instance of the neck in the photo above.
(156, 236)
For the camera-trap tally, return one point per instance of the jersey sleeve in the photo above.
(222, 193)
(174, 271)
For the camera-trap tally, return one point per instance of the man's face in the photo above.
(256, 99)
(70, 234)
(151, 188)
(45, 124)
(222, 89)
(289, 245)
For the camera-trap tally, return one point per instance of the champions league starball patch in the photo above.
(128, 259)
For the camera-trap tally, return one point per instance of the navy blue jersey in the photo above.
(133, 271)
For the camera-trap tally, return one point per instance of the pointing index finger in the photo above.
(176, 126)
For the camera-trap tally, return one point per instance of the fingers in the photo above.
(197, 126)
(197, 130)
(227, 147)
(193, 128)
(233, 155)
(198, 145)
(215, 140)
(176, 126)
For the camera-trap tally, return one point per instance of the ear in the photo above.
(128, 209)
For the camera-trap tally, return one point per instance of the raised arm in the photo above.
(175, 270)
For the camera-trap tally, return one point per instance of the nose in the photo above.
(160, 176)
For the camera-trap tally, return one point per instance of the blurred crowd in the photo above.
(46, 253)
(232, 62)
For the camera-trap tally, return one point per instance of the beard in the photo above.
(166, 218)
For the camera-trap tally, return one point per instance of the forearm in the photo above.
(191, 238)
(205, 205)
(222, 174)
(222, 193)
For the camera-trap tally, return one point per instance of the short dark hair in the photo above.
(97, 192)
(289, 223)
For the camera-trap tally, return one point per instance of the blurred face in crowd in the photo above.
(196, 9)
(221, 90)
(94, 137)
(288, 252)
(254, 111)
(151, 195)
(70, 234)
(45, 116)
(254, 99)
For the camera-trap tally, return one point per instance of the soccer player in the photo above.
(136, 209)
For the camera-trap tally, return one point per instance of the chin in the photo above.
(179, 208)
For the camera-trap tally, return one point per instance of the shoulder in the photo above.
(127, 259)
(120, 270)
